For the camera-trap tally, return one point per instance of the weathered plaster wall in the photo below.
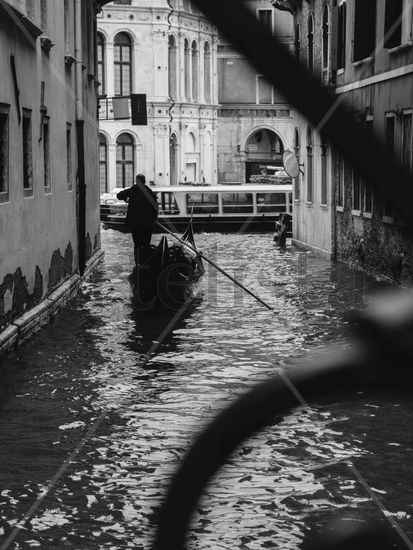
(39, 233)
(380, 245)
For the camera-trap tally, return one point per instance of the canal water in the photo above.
(102, 404)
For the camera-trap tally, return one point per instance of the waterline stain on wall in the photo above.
(15, 297)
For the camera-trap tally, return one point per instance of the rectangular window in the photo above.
(69, 29)
(265, 18)
(340, 180)
(30, 9)
(271, 202)
(43, 14)
(357, 185)
(202, 203)
(46, 156)
(103, 165)
(237, 203)
(341, 39)
(324, 163)
(4, 153)
(69, 157)
(407, 141)
(364, 29)
(367, 189)
(392, 26)
(390, 147)
(264, 91)
(27, 154)
(390, 132)
(167, 204)
(398, 23)
(310, 174)
(367, 198)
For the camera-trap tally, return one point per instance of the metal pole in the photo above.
(201, 255)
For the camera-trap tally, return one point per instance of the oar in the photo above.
(201, 255)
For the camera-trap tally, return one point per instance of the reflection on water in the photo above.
(156, 380)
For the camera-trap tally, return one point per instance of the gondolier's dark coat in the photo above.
(142, 205)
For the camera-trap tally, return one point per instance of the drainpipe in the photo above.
(81, 179)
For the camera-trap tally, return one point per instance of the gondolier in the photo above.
(142, 213)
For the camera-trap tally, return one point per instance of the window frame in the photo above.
(310, 43)
(47, 175)
(5, 112)
(363, 48)
(310, 166)
(271, 10)
(27, 152)
(388, 214)
(125, 162)
(259, 78)
(341, 35)
(325, 41)
(407, 113)
(121, 92)
(103, 142)
(324, 156)
(340, 190)
(69, 157)
(101, 62)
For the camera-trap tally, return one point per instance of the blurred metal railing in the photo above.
(384, 350)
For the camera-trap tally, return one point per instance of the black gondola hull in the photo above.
(168, 277)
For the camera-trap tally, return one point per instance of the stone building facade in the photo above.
(313, 190)
(49, 197)
(255, 124)
(363, 51)
(168, 51)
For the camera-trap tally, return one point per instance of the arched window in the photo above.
(297, 154)
(172, 66)
(103, 164)
(125, 163)
(187, 54)
(101, 63)
(123, 64)
(207, 73)
(325, 40)
(195, 71)
(309, 165)
(324, 159)
(310, 42)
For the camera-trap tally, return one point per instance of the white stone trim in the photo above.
(395, 73)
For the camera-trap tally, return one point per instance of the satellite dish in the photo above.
(290, 164)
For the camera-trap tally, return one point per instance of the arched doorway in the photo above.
(263, 153)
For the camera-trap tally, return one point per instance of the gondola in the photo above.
(166, 276)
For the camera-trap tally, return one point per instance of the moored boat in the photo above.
(229, 207)
(165, 275)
